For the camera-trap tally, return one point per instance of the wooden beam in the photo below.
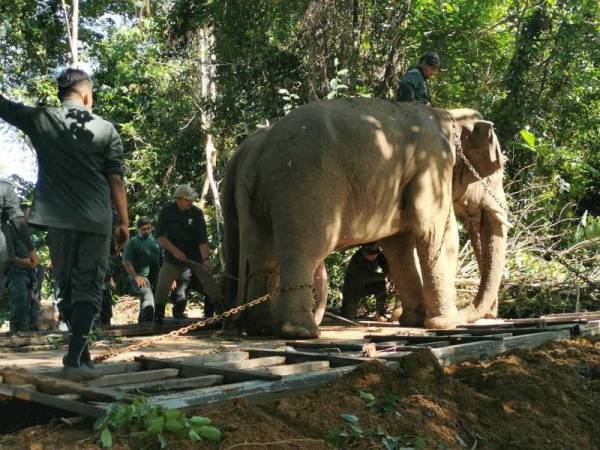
(189, 370)
(134, 377)
(50, 385)
(474, 350)
(528, 341)
(296, 357)
(254, 363)
(454, 339)
(103, 369)
(295, 369)
(590, 329)
(458, 353)
(28, 395)
(228, 392)
(173, 384)
(213, 359)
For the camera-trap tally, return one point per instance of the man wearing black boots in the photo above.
(80, 171)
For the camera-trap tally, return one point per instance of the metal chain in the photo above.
(484, 182)
(181, 331)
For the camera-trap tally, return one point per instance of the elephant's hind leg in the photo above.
(263, 278)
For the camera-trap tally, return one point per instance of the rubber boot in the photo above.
(159, 314)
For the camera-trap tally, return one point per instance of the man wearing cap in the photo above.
(181, 232)
(364, 278)
(24, 306)
(413, 85)
(141, 259)
(13, 227)
(80, 172)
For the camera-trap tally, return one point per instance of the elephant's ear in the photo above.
(482, 148)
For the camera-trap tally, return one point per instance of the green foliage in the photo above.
(385, 405)
(353, 434)
(151, 424)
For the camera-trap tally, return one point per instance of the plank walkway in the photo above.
(248, 371)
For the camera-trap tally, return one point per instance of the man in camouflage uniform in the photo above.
(413, 85)
(365, 276)
(80, 171)
(22, 283)
(13, 227)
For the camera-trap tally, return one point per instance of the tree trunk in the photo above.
(208, 95)
(72, 27)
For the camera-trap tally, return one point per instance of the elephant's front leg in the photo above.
(437, 247)
(293, 310)
(399, 251)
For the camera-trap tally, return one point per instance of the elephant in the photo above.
(339, 173)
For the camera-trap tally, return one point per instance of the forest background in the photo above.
(186, 81)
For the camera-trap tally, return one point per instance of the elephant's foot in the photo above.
(397, 314)
(259, 328)
(299, 328)
(444, 321)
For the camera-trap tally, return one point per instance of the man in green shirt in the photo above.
(413, 85)
(141, 260)
(79, 161)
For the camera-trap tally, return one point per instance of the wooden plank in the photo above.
(254, 363)
(212, 359)
(31, 387)
(590, 329)
(474, 350)
(458, 353)
(72, 397)
(228, 392)
(20, 393)
(295, 369)
(50, 385)
(22, 341)
(103, 369)
(189, 370)
(454, 339)
(528, 341)
(173, 384)
(134, 377)
(296, 357)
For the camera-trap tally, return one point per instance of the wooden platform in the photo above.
(254, 370)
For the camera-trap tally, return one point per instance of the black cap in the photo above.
(371, 249)
(431, 58)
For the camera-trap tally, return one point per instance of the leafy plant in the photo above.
(354, 433)
(387, 405)
(150, 423)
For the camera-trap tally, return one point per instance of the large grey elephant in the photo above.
(335, 174)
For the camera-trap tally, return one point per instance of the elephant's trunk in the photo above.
(492, 252)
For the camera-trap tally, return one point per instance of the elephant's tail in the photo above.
(232, 232)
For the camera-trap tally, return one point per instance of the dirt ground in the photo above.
(547, 398)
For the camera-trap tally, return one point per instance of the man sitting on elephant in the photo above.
(365, 276)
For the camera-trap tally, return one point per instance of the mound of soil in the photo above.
(542, 399)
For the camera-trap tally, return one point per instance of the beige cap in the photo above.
(186, 191)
